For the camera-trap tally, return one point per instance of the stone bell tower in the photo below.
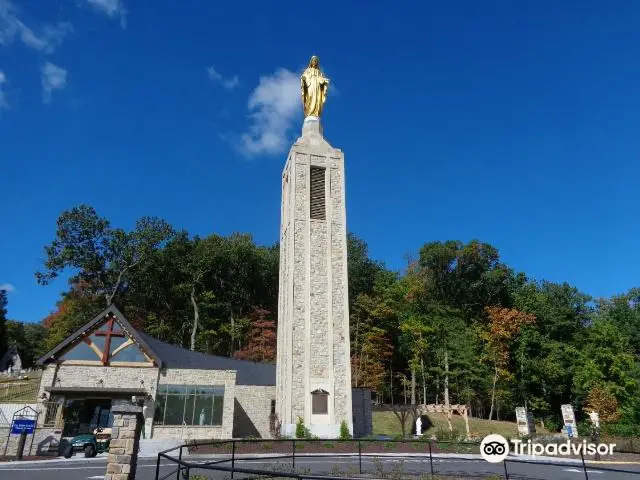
(313, 359)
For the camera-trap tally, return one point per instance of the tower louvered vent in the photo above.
(317, 194)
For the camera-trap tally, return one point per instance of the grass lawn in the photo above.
(18, 391)
(386, 423)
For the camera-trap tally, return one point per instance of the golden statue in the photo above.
(313, 88)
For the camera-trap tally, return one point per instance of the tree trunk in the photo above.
(404, 386)
(446, 389)
(233, 333)
(446, 378)
(424, 382)
(391, 384)
(196, 318)
(413, 386)
(493, 392)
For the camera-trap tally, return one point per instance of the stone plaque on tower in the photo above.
(313, 382)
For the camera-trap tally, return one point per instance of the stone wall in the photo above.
(99, 376)
(45, 441)
(107, 377)
(47, 379)
(252, 411)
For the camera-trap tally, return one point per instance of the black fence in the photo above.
(363, 458)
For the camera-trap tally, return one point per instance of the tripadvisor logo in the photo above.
(566, 448)
(495, 448)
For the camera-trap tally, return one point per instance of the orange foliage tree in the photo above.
(604, 403)
(504, 325)
(368, 366)
(262, 340)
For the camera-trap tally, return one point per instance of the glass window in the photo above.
(193, 405)
(116, 342)
(81, 351)
(129, 354)
(98, 341)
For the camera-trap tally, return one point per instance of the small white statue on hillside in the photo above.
(419, 426)
(595, 418)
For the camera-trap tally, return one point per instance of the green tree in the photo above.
(624, 312)
(3, 323)
(103, 258)
(29, 338)
(363, 271)
(606, 360)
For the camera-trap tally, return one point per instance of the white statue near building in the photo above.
(419, 426)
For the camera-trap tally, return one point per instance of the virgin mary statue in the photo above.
(313, 88)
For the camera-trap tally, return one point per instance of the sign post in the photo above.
(23, 423)
(569, 419)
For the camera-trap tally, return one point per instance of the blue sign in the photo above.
(20, 424)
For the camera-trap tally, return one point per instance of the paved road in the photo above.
(80, 469)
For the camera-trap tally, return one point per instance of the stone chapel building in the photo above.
(186, 395)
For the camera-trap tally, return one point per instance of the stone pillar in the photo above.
(125, 438)
(313, 308)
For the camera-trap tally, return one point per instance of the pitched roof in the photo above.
(94, 324)
(248, 373)
(171, 356)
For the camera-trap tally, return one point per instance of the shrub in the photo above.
(302, 431)
(447, 435)
(344, 431)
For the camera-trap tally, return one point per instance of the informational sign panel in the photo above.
(521, 418)
(526, 424)
(569, 419)
(20, 424)
(531, 422)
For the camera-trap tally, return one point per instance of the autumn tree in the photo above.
(368, 367)
(600, 400)
(504, 325)
(261, 342)
(74, 309)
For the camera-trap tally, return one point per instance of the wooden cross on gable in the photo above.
(108, 333)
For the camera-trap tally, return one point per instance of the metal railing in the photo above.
(429, 462)
(52, 415)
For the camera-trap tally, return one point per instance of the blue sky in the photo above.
(517, 123)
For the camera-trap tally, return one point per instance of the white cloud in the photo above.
(53, 78)
(11, 26)
(7, 287)
(228, 83)
(3, 99)
(112, 8)
(274, 105)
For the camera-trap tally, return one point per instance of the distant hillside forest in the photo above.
(457, 325)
